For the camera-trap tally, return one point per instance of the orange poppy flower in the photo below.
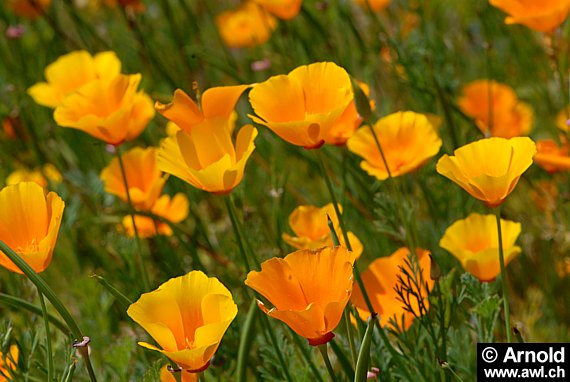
(246, 26)
(29, 224)
(144, 178)
(110, 110)
(284, 9)
(187, 316)
(380, 280)
(310, 224)
(475, 243)
(375, 5)
(496, 109)
(489, 169)
(7, 367)
(70, 72)
(174, 210)
(27, 8)
(407, 139)
(203, 153)
(308, 290)
(543, 16)
(552, 157)
(304, 105)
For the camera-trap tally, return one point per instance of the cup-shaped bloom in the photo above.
(489, 169)
(381, 280)
(8, 366)
(203, 153)
(27, 8)
(40, 176)
(375, 5)
(475, 243)
(310, 225)
(29, 224)
(496, 109)
(110, 110)
(284, 9)
(407, 140)
(303, 106)
(552, 157)
(144, 178)
(308, 290)
(174, 210)
(542, 16)
(187, 316)
(246, 26)
(70, 72)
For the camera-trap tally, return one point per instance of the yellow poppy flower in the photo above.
(187, 316)
(308, 290)
(552, 157)
(284, 9)
(174, 210)
(202, 153)
(496, 109)
(166, 376)
(29, 224)
(490, 168)
(27, 8)
(246, 26)
(39, 176)
(304, 105)
(542, 16)
(380, 280)
(475, 243)
(311, 228)
(407, 139)
(375, 5)
(110, 110)
(7, 368)
(70, 72)
(144, 178)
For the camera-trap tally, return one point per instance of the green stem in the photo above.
(231, 211)
(273, 339)
(325, 354)
(44, 288)
(503, 276)
(48, 336)
(140, 259)
(343, 229)
(306, 355)
(364, 353)
(246, 338)
(18, 303)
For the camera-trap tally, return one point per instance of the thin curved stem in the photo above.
(48, 336)
(503, 276)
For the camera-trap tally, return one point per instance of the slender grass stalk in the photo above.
(503, 276)
(346, 313)
(284, 366)
(18, 303)
(343, 229)
(48, 337)
(237, 231)
(53, 299)
(306, 356)
(364, 353)
(325, 354)
(202, 377)
(246, 338)
(139, 259)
